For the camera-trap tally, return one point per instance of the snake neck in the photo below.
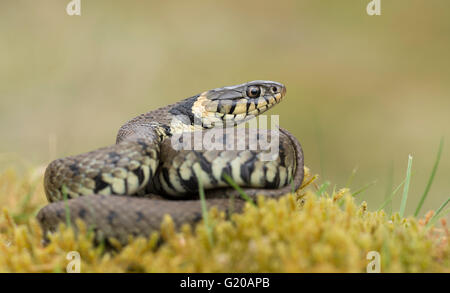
(162, 122)
(220, 107)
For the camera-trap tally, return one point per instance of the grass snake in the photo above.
(127, 188)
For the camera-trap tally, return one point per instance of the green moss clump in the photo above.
(299, 232)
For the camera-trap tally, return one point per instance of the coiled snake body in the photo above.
(127, 188)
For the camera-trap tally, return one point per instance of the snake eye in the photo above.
(253, 91)
(274, 90)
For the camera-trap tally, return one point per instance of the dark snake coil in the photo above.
(127, 188)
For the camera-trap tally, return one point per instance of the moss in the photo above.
(299, 232)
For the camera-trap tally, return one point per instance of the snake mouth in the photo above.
(248, 106)
(238, 104)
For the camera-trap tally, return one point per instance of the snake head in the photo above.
(236, 104)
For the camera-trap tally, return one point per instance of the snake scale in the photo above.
(127, 188)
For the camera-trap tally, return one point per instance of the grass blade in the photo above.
(292, 186)
(391, 197)
(205, 217)
(24, 203)
(66, 205)
(323, 187)
(438, 212)
(389, 185)
(430, 181)
(351, 177)
(233, 184)
(320, 145)
(364, 188)
(406, 187)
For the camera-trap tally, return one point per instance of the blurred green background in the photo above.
(363, 91)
